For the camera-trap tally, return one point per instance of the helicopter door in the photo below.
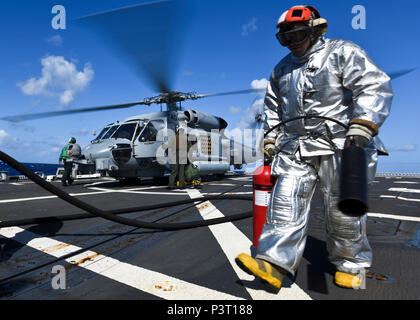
(148, 142)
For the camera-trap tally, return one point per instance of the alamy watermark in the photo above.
(213, 147)
(359, 280)
(58, 282)
(59, 20)
(359, 20)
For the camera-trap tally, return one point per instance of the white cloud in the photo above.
(247, 120)
(3, 135)
(60, 79)
(56, 40)
(235, 110)
(81, 132)
(247, 129)
(260, 84)
(6, 139)
(250, 26)
(404, 148)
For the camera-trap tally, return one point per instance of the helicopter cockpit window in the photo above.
(151, 132)
(99, 137)
(125, 131)
(139, 129)
(110, 132)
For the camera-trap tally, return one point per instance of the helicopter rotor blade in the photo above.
(147, 35)
(261, 90)
(392, 75)
(397, 74)
(33, 116)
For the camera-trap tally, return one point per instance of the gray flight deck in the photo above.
(100, 259)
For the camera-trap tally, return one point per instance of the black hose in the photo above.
(306, 117)
(110, 215)
(79, 216)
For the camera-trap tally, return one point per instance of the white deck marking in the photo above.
(394, 217)
(406, 182)
(152, 282)
(241, 178)
(399, 198)
(405, 190)
(98, 191)
(231, 193)
(138, 191)
(175, 192)
(51, 197)
(234, 242)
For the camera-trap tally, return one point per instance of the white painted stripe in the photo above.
(152, 282)
(99, 191)
(27, 199)
(233, 242)
(242, 178)
(233, 192)
(228, 185)
(406, 182)
(51, 197)
(400, 198)
(175, 192)
(404, 190)
(135, 191)
(126, 190)
(394, 217)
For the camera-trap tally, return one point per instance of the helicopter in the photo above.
(138, 146)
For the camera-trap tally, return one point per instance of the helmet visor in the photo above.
(295, 36)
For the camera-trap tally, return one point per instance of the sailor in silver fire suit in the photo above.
(335, 79)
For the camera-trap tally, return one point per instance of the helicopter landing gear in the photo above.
(161, 180)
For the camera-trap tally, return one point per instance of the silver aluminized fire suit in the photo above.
(336, 79)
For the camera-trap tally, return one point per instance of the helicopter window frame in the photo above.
(139, 129)
(155, 135)
(133, 130)
(111, 132)
(101, 134)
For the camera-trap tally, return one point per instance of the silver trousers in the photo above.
(283, 238)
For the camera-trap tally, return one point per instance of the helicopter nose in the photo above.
(122, 153)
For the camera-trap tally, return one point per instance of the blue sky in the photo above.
(227, 45)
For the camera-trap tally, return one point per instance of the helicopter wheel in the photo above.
(130, 180)
(161, 180)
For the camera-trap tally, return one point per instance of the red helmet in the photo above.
(314, 27)
(298, 14)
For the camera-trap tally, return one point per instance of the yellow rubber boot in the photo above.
(264, 270)
(347, 280)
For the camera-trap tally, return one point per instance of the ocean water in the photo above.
(383, 167)
(47, 169)
(51, 169)
(398, 167)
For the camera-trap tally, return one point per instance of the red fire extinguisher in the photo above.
(263, 186)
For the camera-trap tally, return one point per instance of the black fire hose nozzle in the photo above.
(353, 199)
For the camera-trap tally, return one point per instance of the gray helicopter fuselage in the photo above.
(136, 146)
